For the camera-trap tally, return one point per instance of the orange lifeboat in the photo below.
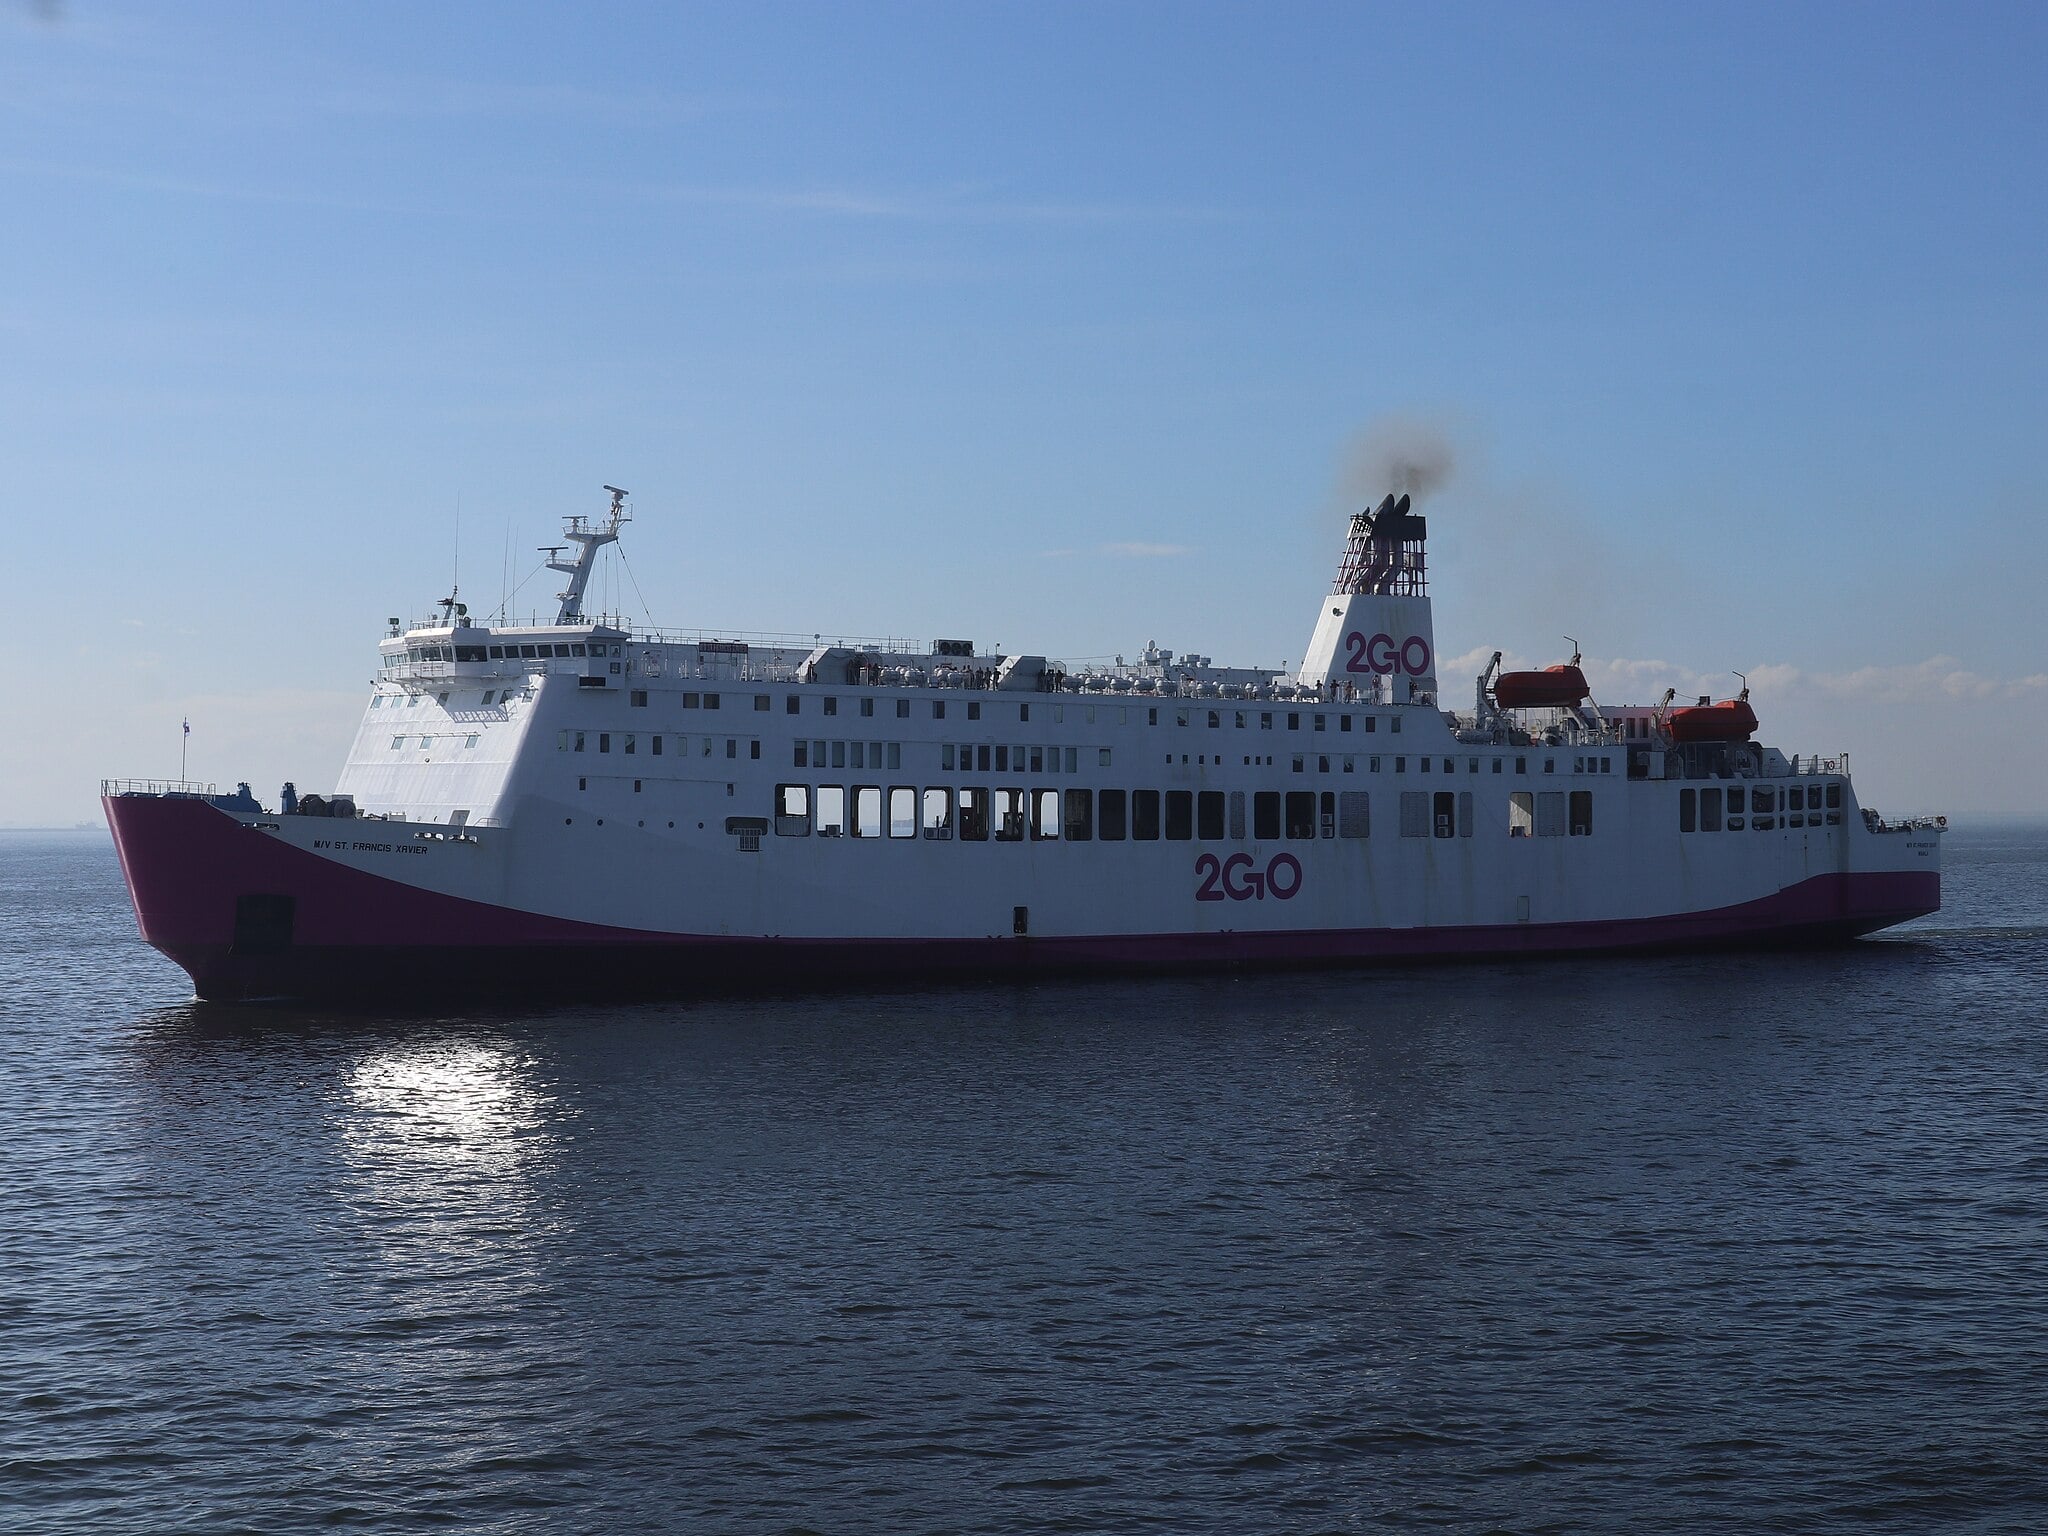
(1552, 688)
(1729, 720)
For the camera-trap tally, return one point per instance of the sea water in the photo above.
(1730, 1242)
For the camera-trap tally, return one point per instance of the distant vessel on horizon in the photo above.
(586, 808)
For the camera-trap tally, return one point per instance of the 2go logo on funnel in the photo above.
(1381, 655)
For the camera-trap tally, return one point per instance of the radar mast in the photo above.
(591, 538)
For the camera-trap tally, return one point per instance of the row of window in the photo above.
(523, 652)
(427, 743)
(629, 744)
(1015, 815)
(1759, 807)
(1240, 718)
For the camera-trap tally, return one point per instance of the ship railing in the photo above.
(167, 789)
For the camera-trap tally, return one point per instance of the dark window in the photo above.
(1110, 815)
(1444, 816)
(604, 741)
(1266, 815)
(1688, 810)
(1581, 817)
(755, 752)
(762, 703)
(692, 700)
(974, 815)
(974, 711)
(831, 706)
(793, 704)
(1023, 711)
(1301, 814)
(1735, 798)
(1209, 815)
(1079, 819)
(903, 709)
(1328, 822)
(655, 744)
(867, 708)
(1145, 815)
(938, 709)
(711, 701)
(981, 759)
(1294, 722)
(1180, 815)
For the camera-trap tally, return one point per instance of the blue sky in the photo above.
(1060, 326)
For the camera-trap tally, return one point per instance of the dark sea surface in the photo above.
(1723, 1242)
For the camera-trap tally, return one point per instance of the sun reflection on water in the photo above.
(448, 1144)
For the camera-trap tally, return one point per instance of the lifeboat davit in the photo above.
(1552, 688)
(1729, 720)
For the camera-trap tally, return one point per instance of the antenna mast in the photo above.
(581, 532)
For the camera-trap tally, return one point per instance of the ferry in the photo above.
(586, 807)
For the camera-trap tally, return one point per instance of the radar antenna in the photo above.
(589, 538)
